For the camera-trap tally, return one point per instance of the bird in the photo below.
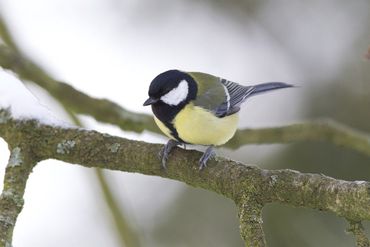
(199, 109)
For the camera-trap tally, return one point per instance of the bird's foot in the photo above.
(163, 154)
(209, 153)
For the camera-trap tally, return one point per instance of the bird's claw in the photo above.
(209, 153)
(165, 151)
(163, 154)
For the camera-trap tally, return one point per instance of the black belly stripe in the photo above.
(174, 132)
(166, 114)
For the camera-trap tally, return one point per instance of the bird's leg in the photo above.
(163, 154)
(209, 153)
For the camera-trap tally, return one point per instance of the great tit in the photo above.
(198, 108)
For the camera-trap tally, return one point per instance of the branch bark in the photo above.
(358, 231)
(250, 217)
(229, 178)
(19, 167)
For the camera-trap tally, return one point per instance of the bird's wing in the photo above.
(223, 97)
(218, 95)
(235, 95)
(211, 94)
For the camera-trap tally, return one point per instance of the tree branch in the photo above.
(19, 167)
(250, 217)
(358, 231)
(229, 178)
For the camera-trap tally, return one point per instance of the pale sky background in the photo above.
(113, 49)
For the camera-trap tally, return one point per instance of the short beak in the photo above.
(150, 101)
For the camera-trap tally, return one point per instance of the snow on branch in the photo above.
(21, 103)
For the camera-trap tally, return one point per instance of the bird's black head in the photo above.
(172, 87)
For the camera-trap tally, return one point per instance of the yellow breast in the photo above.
(197, 126)
(163, 128)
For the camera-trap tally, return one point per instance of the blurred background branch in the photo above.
(5, 35)
(317, 131)
(128, 235)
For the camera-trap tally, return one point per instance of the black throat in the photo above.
(166, 113)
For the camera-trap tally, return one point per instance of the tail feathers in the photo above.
(269, 86)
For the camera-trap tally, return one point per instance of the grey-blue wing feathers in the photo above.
(223, 97)
(236, 95)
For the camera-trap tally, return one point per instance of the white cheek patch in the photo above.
(176, 95)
